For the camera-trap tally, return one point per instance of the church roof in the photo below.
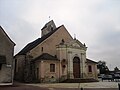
(45, 56)
(2, 59)
(33, 44)
(90, 61)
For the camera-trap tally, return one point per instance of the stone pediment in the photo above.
(76, 44)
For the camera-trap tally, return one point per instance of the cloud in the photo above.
(95, 22)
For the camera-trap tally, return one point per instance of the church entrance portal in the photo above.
(76, 67)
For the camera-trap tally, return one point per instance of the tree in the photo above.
(116, 69)
(102, 67)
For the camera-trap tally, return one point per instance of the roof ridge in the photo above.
(33, 44)
(45, 56)
(91, 60)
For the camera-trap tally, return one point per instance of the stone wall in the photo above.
(45, 75)
(49, 45)
(7, 50)
(94, 73)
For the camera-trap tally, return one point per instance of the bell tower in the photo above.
(49, 27)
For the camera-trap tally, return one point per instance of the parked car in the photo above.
(116, 77)
(107, 77)
(101, 75)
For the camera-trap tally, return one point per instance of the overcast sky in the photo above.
(94, 22)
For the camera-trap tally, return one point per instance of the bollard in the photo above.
(119, 86)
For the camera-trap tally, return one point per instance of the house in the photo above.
(6, 58)
(54, 57)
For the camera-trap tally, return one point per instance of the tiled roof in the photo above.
(90, 61)
(33, 44)
(45, 56)
(2, 59)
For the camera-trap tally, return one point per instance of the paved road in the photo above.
(22, 87)
(28, 87)
(86, 89)
(76, 85)
(63, 86)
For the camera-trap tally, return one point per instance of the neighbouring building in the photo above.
(6, 58)
(54, 57)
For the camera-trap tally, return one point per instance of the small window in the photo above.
(0, 66)
(41, 49)
(52, 67)
(37, 73)
(51, 28)
(90, 68)
(63, 41)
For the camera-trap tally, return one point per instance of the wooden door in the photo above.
(76, 67)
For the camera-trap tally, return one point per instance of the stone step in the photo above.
(79, 80)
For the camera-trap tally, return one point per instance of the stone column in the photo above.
(83, 57)
(81, 64)
(70, 66)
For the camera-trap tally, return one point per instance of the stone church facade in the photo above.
(54, 57)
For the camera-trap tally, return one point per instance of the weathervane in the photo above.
(49, 18)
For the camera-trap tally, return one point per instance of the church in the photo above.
(55, 57)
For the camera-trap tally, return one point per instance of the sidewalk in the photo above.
(79, 85)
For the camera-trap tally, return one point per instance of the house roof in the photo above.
(2, 59)
(6, 34)
(45, 56)
(33, 44)
(90, 61)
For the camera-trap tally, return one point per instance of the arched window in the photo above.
(52, 67)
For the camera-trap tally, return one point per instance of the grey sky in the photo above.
(95, 22)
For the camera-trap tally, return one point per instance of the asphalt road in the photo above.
(28, 87)
(22, 87)
(86, 89)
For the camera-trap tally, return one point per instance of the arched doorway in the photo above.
(76, 67)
